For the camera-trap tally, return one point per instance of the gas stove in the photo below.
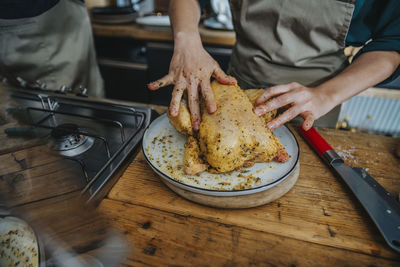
(95, 138)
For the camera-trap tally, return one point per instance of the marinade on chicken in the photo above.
(231, 138)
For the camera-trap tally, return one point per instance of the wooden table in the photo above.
(133, 30)
(318, 222)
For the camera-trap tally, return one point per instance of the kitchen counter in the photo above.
(133, 30)
(317, 222)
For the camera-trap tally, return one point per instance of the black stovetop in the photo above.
(97, 137)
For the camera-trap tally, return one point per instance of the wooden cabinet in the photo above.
(123, 66)
(158, 58)
(128, 64)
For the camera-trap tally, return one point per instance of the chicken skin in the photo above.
(192, 160)
(232, 137)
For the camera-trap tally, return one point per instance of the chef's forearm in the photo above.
(185, 17)
(367, 70)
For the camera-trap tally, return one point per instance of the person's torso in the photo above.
(55, 47)
(280, 41)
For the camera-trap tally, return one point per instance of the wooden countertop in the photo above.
(317, 222)
(133, 30)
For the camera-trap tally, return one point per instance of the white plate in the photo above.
(154, 21)
(163, 148)
(21, 239)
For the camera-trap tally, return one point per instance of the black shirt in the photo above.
(17, 9)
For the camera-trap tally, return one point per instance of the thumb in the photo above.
(308, 120)
(164, 81)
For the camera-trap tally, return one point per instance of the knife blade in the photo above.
(383, 209)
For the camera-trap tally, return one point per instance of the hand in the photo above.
(191, 69)
(304, 101)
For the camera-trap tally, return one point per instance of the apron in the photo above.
(55, 47)
(282, 41)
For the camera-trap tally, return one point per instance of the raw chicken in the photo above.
(192, 160)
(232, 137)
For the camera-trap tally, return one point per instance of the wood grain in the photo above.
(160, 238)
(317, 223)
(319, 209)
(65, 221)
(11, 144)
(41, 182)
(25, 159)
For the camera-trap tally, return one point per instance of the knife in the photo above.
(383, 209)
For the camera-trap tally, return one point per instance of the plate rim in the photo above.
(219, 192)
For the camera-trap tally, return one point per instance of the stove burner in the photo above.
(69, 141)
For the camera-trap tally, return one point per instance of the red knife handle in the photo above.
(316, 141)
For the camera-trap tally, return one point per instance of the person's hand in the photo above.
(304, 101)
(191, 69)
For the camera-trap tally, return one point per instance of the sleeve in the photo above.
(386, 37)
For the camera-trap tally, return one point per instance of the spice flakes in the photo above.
(166, 151)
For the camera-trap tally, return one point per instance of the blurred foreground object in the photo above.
(45, 220)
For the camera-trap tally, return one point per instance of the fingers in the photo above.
(284, 117)
(208, 96)
(276, 90)
(177, 93)
(301, 100)
(291, 114)
(222, 77)
(193, 97)
(308, 120)
(273, 104)
(164, 81)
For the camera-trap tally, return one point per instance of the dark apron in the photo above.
(282, 41)
(55, 47)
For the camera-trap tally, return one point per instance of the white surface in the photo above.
(166, 159)
(223, 18)
(213, 23)
(153, 21)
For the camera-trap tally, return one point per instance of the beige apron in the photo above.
(55, 47)
(281, 41)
